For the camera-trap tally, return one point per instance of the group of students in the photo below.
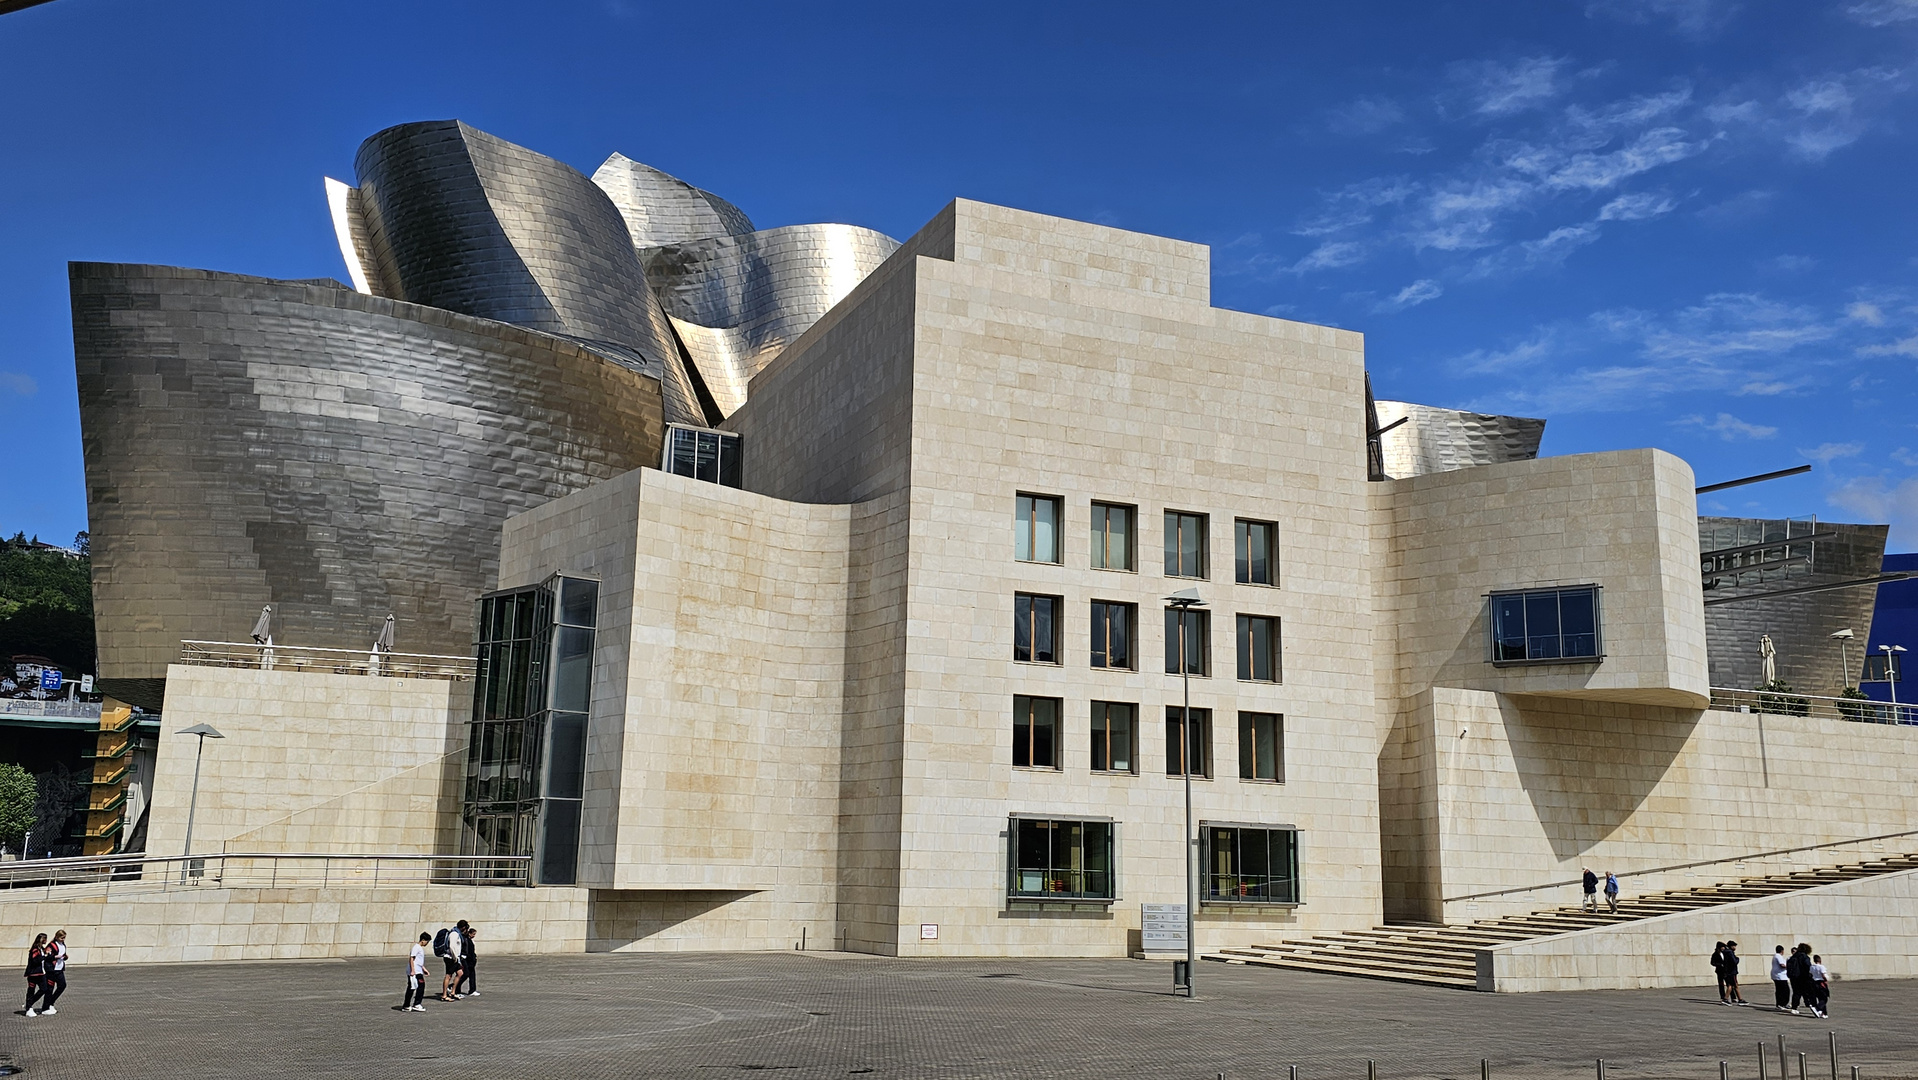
(46, 973)
(453, 945)
(1798, 979)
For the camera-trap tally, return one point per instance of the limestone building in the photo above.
(818, 586)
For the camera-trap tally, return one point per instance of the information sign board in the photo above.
(50, 679)
(1162, 927)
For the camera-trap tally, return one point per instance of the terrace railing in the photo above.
(395, 665)
(28, 879)
(1784, 703)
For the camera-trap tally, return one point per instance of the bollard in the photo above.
(1761, 1061)
(1833, 1037)
(1724, 1070)
(1854, 1072)
(1801, 1066)
(1601, 1069)
(1484, 1069)
(1295, 1073)
(1371, 1069)
(1781, 1058)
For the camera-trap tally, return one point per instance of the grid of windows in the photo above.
(1115, 737)
(703, 454)
(1058, 859)
(1188, 636)
(1259, 648)
(1261, 746)
(1251, 864)
(1035, 628)
(1256, 552)
(1035, 732)
(1546, 624)
(1112, 624)
(1112, 537)
(1036, 531)
(1197, 740)
(1184, 544)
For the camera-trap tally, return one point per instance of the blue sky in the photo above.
(1680, 223)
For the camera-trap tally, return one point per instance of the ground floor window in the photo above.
(1058, 859)
(1253, 864)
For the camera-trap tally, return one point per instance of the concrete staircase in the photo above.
(1435, 954)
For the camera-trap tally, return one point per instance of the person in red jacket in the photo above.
(36, 973)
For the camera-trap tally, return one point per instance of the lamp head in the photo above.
(1844, 635)
(1185, 598)
(203, 730)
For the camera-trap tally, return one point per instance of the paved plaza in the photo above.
(804, 1016)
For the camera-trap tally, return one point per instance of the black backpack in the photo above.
(441, 946)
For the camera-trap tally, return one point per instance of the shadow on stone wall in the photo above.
(615, 920)
(1588, 772)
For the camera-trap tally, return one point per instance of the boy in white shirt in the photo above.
(1821, 979)
(416, 976)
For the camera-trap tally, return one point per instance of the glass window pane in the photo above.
(1043, 625)
(1022, 531)
(1541, 626)
(559, 844)
(1021, 730)
(1100, 524)
(1241, 552)
(1578, 620)
(1123, 739)
(573, 677)
(685, 452)
(1119, 641)
(579, 602)
(1022, 626)
(1508, 628)
(566, 756)
(1172, 545)
(729, 461)
(1045, 727)
(1119, 539)
(1045, 530)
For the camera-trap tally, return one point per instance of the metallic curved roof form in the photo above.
(738, 301)
(1433, 440)
(660, 208)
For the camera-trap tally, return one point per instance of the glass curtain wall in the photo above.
(526, 754)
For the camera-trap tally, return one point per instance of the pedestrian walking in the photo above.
(416, 975)
(1718, 971)
(1590, 882)
(1780, 982)
(1731, 973)
(1798, 974)
(469, 960)
(36, 973)
(1821, 978)
(56, 972)
(1611, 892)
(446, 947)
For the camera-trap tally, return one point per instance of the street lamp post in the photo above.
(1891, 674)
(1843, 638)
(204, 731)
(1184, 601)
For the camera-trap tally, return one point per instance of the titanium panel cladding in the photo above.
(1800, 626)
(337, 455)
(1440, 440)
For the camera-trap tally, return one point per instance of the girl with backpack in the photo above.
(36, 972)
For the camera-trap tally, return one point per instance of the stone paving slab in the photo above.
(807, 1016)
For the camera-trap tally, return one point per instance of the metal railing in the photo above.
(82, 710)
(246, 654)
(29, 879)
(1776, 703)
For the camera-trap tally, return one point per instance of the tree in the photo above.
(18, 793)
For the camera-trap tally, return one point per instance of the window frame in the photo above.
(1208, 878)
(1248, 740)
(1173, 639)
(1493, 648)
(1015, 873)
(1058, 527)
(1242, 646)
(1242, 551)
(1132, 536)
(1202, 719)
(1093, 731)
(1032, 638)
(1100, 622)
(1058, 726)
(1175, 531)
(726, 457)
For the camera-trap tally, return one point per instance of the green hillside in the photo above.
(46, 603)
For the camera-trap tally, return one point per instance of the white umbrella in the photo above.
(263, 629)
(381, 645)
(1769, 655)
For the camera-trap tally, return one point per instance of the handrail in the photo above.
(61, 707)
(1792, 703)
(1748, 857)
(247, 654)
(263, 870)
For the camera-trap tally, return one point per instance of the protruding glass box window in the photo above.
(1060, 859)
(703, 454)
(526, 755)
(1250, 864)
(1557, 625)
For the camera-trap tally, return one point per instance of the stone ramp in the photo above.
(1433, 954)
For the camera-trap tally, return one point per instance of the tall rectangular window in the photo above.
(1256, 548)
(1035, 732)
(1184, 544)
(703, 454)
(1059, 859)
(1259, 648)
(1115, 737)
(1111, 537)
(1198, 741)
(1191, 643)
(1250, 864)
(1112, 624)
(1261, 746)
(1035, 628)
(1036, 531)
(1546, 624)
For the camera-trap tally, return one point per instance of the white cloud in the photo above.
(1526, 354)
(1731, 428)
(13, 382)
(1904, 456)
(1876, 498)
(1412, 295)
(1364, 116)
(1498, 89)
(1693, 18)
(1866, 312)
(1883, 12)
(1826, 453)
(1636, 207)
(1330, 255)
(1356, 204)
(1903, 347)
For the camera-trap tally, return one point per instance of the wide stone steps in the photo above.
(1432, 954)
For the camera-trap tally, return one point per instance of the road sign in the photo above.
(50, 678)
(1162, 927)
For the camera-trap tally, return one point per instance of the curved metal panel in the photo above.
(336, 455)
(738, 301)
(660, 208)
(1440, 440)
